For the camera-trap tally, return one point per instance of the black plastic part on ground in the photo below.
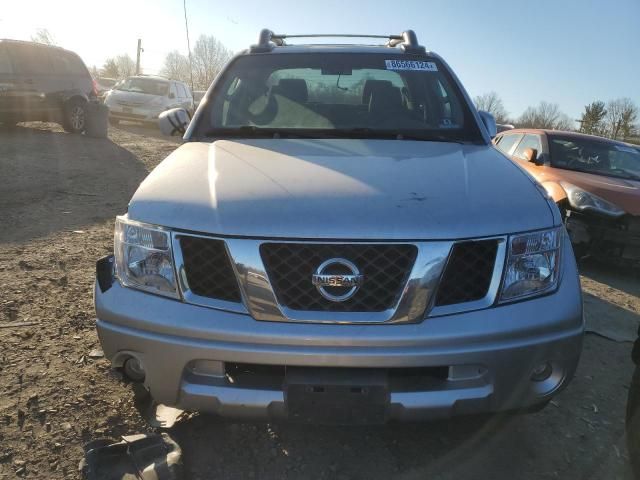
(143, 457)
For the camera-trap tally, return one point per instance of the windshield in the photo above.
(593, 156)
(107, 82)
(144, 85)
(339, 94)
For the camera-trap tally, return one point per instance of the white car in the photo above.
(143, 98)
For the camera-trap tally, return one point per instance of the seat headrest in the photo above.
(294, 89)
(371, 86)
(385, 99)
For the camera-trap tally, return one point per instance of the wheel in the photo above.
(75, 116)
(633, 422)
(114, 121)
(133, 370)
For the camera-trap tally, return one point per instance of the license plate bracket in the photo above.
(339, 396)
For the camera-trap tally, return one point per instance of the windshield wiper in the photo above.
(394, 135)
(355, 133)
(264, 132)
(432, 137)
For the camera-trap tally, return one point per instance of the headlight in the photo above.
(144, 259)
(532, 264)
(583, 200)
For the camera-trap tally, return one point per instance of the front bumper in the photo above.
(135, 114)
(488, 354)
(614, 239)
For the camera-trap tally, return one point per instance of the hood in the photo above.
(340, 189)
(619, 191)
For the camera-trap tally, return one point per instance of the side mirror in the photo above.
(172, 95)
(531, 155)
(489, 123)
(174, 122)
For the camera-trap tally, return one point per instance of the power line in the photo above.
(186, 26)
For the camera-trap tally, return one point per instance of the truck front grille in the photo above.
(290, 267)
(208, 269)
(468, 273)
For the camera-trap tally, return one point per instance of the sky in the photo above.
(569, 52)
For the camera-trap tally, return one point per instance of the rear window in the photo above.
(30, 59)
(182, 92)
(106, 82)
(67, 63)
(411, 95)
(144, 85)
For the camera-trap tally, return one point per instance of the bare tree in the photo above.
(209, 56)
(110, 69)
(126, 65)
(545, 115)
(621, 116)
(492, 103)
(43, 35)
(176, 67)
(119, 67)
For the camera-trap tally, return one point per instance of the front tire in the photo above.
(633, 422)
(75, 116)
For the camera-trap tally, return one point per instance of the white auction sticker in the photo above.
(411, 65)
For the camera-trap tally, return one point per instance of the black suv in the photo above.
(40, 82)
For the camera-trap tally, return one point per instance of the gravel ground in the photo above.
(58, 198)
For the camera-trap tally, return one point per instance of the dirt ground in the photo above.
(58, 196)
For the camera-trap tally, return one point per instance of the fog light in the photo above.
(134, 370)
(541, 372)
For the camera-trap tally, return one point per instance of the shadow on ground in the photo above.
(145, 129)
(55, 181)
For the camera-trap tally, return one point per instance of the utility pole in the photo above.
(140, 49)
(186, 27)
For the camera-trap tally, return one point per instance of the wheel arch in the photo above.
(74, 95)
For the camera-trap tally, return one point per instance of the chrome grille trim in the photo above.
(414, 305)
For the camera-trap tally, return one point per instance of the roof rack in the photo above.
(408, 40)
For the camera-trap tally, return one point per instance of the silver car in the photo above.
(338, 242)
(144, 98)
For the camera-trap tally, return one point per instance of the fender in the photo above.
(74, 93)
(555, 190)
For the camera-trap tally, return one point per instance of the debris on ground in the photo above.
(140, 457)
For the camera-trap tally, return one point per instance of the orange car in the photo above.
(594, 181)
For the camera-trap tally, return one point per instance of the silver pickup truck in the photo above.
(337, 241)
